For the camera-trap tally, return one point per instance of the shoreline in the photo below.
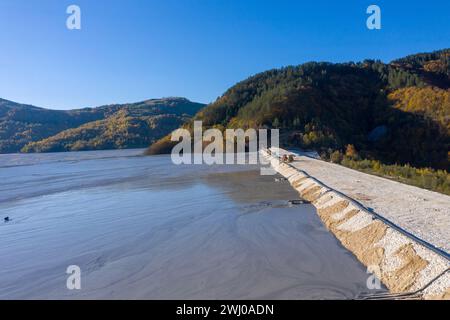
(402, 263)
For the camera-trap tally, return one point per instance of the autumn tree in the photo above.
(351, 152)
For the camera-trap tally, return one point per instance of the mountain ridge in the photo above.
(28, 128)
(395, 112)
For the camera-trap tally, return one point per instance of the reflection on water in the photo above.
(140, 227)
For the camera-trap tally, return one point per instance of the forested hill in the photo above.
(31, 129)
(396, 112)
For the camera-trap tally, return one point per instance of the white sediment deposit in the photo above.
(403, 263)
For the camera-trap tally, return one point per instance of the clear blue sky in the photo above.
(131, 50)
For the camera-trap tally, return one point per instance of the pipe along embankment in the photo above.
(404, 263)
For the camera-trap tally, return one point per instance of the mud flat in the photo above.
(381, 222)
(144, 228)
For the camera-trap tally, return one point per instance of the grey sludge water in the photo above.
(140, 227)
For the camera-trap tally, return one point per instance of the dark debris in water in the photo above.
(298, 201)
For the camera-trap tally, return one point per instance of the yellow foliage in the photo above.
(350, 151)
(432, 102)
